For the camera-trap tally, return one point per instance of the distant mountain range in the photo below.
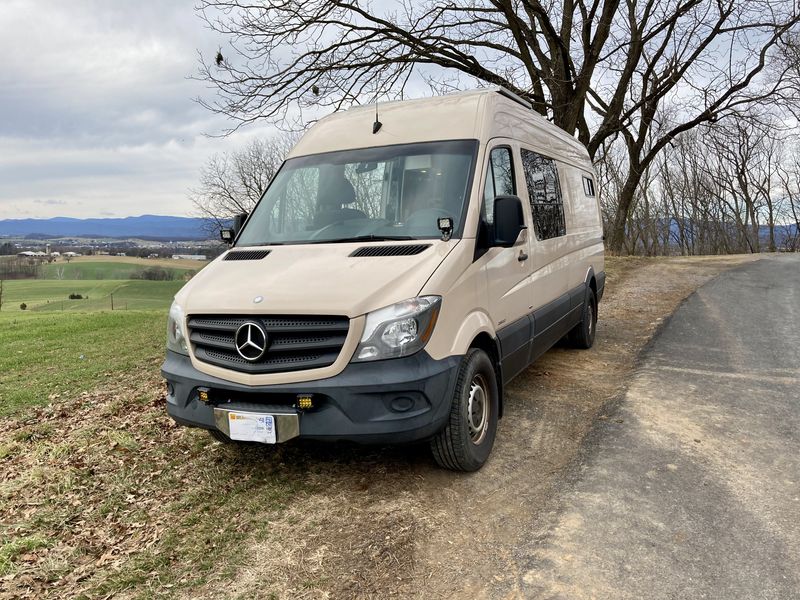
(146, 226)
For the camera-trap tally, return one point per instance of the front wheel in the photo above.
(467, 439)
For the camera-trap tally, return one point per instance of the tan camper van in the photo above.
(401, 269)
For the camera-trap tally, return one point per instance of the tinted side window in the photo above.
(499, 180)
(544, 189)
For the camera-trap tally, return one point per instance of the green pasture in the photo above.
(65, 353)
(53, 295)
(62, 346)
(102, 270)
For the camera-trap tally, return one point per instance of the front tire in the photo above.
(467, 439)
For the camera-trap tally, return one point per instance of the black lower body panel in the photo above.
(391, 401)
(527, 338)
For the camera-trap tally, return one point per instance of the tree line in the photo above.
(729, 187)
(13, 267)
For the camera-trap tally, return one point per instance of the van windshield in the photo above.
(390, 192)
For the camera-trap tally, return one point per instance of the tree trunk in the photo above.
(624, 204)
(772, 246)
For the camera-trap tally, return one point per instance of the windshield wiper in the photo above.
(364, 238)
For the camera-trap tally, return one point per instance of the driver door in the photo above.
(508, 270)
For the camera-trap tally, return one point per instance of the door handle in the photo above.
(522, 256)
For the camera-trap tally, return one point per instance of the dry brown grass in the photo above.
(103, 493)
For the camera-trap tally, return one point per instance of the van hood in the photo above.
(312, 279)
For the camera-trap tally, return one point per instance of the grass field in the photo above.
(167, 263)
(45, 356)
(59, 346)
(108, 269)
(81, 405)
(49, 295)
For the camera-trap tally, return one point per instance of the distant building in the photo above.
(189, 257)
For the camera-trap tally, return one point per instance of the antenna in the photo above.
(376, 126)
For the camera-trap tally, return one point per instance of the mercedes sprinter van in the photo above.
(396, 275)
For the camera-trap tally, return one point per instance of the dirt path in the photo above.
(387, 522)
(696, 493)
(102, 495)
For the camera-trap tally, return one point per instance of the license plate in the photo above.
(252, 427)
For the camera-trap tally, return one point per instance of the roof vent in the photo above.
(404, 250)
(246, 254)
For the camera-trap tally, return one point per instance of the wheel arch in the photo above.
(489, 344)
(590, 281)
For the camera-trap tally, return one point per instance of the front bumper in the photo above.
(391, 401)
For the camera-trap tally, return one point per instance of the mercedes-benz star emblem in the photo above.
(251, 341)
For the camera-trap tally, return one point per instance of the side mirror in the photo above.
(509, 221)
(238, 221)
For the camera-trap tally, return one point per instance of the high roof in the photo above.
(480, 114)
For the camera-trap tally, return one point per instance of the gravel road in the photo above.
(691, 489)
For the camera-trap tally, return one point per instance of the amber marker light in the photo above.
(429, 329)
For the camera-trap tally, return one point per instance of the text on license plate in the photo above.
(252, 427)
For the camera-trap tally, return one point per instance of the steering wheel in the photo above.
(321, 232)
(363, 228)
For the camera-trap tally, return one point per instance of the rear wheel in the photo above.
(467, 439)
(582, 336)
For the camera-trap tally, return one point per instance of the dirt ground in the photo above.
(362, 522)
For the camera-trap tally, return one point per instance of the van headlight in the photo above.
(177, 340)
(398, 330)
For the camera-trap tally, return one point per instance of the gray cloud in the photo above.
(97, 108)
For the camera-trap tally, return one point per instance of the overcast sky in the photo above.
(97, 116)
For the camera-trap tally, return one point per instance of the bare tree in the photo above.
(725, 187)
(601, 69)
(231, 184)
(790, 52)
(789, 184)
(1, 294)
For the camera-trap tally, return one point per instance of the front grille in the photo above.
(295, 342)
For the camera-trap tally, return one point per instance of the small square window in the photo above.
(588, 186)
